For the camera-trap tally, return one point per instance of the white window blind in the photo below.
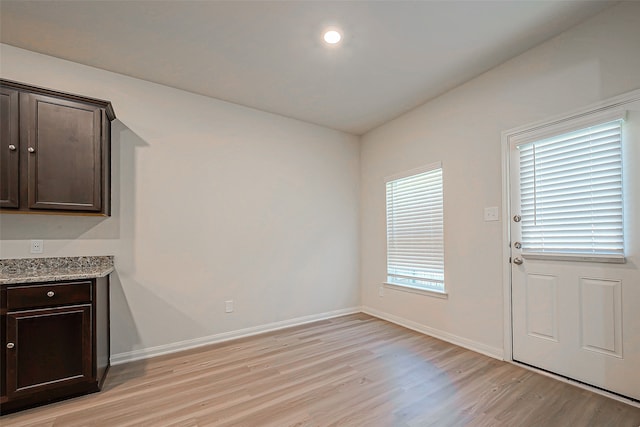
(571, 193)
(415, 244)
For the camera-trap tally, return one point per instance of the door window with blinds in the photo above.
(571, 194)
(415, 238)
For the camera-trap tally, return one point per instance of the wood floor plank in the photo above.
(354, 370)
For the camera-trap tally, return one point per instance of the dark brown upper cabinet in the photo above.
(55, 151)
(9, 189)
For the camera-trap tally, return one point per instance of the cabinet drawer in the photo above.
(48, 295)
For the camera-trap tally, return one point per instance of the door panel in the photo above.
(9, 148)
(542, 306)
(51, 348)
(601, 316)
(64, 154)
(580, 319)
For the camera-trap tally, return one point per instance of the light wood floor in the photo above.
(351, 371)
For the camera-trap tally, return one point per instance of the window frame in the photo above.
(415, 289)
(557, 128)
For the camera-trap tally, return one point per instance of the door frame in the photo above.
(507, 136)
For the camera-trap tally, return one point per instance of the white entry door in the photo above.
(575, 247)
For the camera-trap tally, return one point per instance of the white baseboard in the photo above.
(495, 352)
(145, 353)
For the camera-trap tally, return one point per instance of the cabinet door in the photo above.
(48, 348)
(9, 148)
(64, 153)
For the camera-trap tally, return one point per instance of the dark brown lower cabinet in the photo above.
(55, 341)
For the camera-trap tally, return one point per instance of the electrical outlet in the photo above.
(381, 291)
(491, 214)
(228, 306)
(37, 246)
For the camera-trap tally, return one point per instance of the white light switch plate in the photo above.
(491, 214)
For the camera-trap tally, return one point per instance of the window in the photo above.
(571, 193)
(415, 243)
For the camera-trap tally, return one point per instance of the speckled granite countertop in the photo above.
(28, 270)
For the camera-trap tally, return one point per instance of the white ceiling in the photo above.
(269, 55)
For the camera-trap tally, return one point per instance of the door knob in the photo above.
(517, 245)
(517, 261)
(10, 345)
(517, 218)
(31, 150)
(12, 147)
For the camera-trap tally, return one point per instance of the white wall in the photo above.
(211, 201)
(596, 60)
(214, 201)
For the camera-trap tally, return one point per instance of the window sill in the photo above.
(416, 290)
(579, 258)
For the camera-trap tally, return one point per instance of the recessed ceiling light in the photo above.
(332, 37)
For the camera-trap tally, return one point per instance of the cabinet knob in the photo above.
(50, 294)
(12, 147)
(31, 150)
(10, 345)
